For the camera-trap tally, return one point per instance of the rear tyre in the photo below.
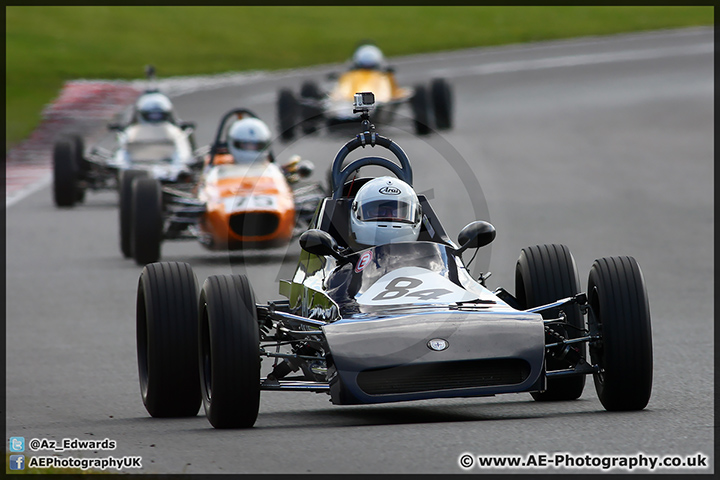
(287, 110)
(126, 181)
(421, 110)
(65, 173)
(442, 103)
(229, 352)
(545, 274)
(619, 310)
(167, 343)
(147, 221)
(310, 114)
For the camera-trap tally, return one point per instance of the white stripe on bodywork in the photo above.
(414, 285)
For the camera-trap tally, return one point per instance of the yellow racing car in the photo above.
(431, 106)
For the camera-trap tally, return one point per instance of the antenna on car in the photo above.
(150, 72)
(150, 75)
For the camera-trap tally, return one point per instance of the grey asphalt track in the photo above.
(602, 144)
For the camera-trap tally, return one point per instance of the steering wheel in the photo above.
(339, 177)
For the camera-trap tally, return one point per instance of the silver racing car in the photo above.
(397, 320)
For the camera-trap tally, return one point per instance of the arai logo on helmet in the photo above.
(388, 190)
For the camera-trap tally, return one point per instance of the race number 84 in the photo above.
(406, 287)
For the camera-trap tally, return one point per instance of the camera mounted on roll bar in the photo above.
(364, 102)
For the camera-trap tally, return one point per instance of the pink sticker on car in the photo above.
(364, 260)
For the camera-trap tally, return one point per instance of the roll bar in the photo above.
(369, 137)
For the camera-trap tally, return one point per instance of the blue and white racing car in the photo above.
(397, 321)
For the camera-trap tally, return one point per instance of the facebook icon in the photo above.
(17, 462)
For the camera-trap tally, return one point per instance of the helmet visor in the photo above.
(154, 115)
(387, 210)
(249, 146)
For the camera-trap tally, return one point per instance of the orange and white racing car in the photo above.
(431, 106)
(235, 204)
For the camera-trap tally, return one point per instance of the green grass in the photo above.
(46, 45)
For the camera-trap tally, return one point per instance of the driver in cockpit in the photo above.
(385, 210)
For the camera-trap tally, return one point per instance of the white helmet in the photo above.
(154, 108)
(385, 210)
(248, 140)
(368, 56)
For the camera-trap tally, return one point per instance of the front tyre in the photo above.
(126, 181)
(310, 92)
(620, 312)
(421, 110)
(545, 274)
(167, 341)
(442, 103)
(229, 352)
(287, 111)
(82, 165)
(66, 186)
(147, 221)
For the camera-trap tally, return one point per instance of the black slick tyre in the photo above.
(421, 110)
(545, 274)
(287, 111)
(442, 103)
(619, 310)
(126, 181)
(147, 221)
(167, 342)
(311, 114)
(83, 166)
(65, 173)
(229, 352)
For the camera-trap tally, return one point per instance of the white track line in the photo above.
(25, 192)
(576, 60)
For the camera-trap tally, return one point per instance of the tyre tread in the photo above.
(625, 319)
(169, 295)
(544, 274)
(234, 345)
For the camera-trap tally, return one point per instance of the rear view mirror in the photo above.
(319, 242)
(475, 235)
